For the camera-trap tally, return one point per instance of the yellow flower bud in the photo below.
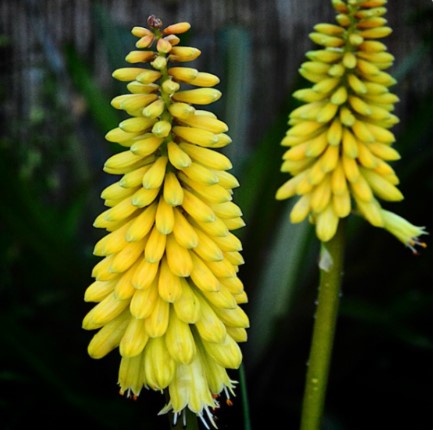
(143, 302)
(202, 277)
(199, 96)
(156, 323)
(135, 338)
(105, 311)
(159, 367)
(155, 245)
(108, 337)
(131, 375)
(226, 354)
(169, 285)
(183, 232)
(183, 54)
(179, 340)
(154, 177)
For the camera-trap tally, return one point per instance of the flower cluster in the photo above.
(339, 139)
(167, 289)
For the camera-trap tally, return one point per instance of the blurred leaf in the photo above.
(236, 51)
(100, 109)
(116, 39)
(277, 282)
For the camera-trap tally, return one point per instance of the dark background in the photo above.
(56, 59)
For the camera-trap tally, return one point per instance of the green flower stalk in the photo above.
(167, 289)
(340, 140)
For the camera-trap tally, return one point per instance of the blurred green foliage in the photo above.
(50, 168)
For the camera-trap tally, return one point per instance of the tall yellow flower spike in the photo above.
(339, 139)
(167, 290)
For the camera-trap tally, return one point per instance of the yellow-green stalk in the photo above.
(167, 289)
(340, 143)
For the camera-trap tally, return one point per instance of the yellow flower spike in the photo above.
(171, 263)
(134, 339)
(349, 106)
(143, 302)
(131, 376)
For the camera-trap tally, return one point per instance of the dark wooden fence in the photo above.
(269, 41)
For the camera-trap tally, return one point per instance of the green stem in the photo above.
(331, 264)
(244, 397)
